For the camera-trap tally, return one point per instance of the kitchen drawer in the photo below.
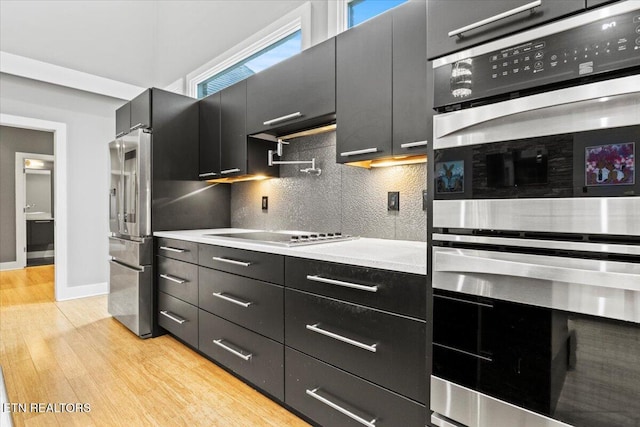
(384, 348)
(258, 265)
(386, 290)
(255, 358)
(248, 302)
(178, 249)
(317, 390)
(179, 279)
(179, 318)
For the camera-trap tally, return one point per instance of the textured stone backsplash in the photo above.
(343, 198)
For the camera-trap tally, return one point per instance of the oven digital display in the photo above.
(610, 164)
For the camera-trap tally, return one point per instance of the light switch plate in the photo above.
(424, 200)
(265, 203)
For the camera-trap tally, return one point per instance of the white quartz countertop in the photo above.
(395, 255)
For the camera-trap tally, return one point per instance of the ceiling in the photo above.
(141, 42)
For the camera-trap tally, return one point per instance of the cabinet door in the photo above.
(40, 233)
(141, 110)
(445, 16)
(363, 91)
(332, 397)
(253, 357)
(209, 166)
(412, 117)
(233, 139)
(123, 119)
(293, 93)
(383, 348)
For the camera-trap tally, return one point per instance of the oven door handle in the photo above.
(534, 267)
(453, 129)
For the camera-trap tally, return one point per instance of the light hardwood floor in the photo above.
(74, 352)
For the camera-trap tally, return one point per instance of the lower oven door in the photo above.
(534, 340)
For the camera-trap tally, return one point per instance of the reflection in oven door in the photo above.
(557, 336)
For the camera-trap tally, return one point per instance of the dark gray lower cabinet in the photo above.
(257, 359)
(341, 344)
(332, 397)
(40, 235)
(248, 302)
(386, 349)
(179, 279)
(179, 318)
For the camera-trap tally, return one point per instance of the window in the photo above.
(359, 11)
(283, 38)
(265, 58)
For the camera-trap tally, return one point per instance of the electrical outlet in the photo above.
(393, 201)
(424, 200)
(265, 203)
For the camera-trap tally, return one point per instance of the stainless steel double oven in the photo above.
(536, 219)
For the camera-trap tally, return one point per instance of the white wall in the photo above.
(90, 126)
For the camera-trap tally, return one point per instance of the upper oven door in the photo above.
(573, 142)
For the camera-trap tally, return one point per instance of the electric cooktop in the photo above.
(287, 238)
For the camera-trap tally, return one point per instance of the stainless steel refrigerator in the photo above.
(154, 186)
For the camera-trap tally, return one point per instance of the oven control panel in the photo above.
(603, 46)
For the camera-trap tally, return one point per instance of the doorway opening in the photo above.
(59, 200)
(36, 186)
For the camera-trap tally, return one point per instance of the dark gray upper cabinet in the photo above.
(240, 154)
(141, 110)
(134, 114)
(233, 140)
(447, 16)
(364, 91)
(123, 119)
(295, 94)
(209, 166)
(412, 116)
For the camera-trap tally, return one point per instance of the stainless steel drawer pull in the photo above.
(414, 144)
(313, 393)
(356, 152)
(369, 347)
(173, 279)
(283, 118)
(178, 250)
(226, 171)
(231, 261)
(172, 317)
(341, 283)
(202, 175)
(44, 221)
(477, 356)
(503, 15)
(243, 356)
(481, 304)
(233, 300)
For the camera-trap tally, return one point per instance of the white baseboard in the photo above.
(83, 291)
(12, 265)
(41, 254)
